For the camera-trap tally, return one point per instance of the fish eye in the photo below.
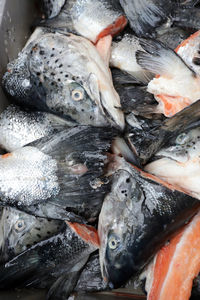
(182, 139)
(113, 243)
(20, 225)
(77, 95)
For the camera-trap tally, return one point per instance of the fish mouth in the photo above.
(112, 112)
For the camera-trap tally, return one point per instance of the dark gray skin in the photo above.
(137, 218)
(145, 137)
(133, 94)
(51, 8)
(86, 279)
(138, 12)
(19, 231)
(53, 256)
(71, 162)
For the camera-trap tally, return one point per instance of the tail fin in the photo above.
(139, 12)
(160, 59)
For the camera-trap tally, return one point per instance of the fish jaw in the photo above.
(112, 228)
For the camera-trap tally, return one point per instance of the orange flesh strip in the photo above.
(103, 46)
(173, 104)
(88, 233)
(6, 155)
(179, 102)
(114, 28)
(177, 264)
(185, 42)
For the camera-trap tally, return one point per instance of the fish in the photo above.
(90, 19)
(176, 265)
(186, 17)
(19, 231)
(59, 175)
(20, 127)
(123, 53)
(172, 36)
(55, 255)
(52, 8)
(138, 12)
(145, 137)
(133, 95)
(64, 74)
(85, 280)
(178, 161)
(177, 85)
(137, 217)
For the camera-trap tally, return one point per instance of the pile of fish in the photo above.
(100, 151)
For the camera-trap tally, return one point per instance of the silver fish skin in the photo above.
(137, 217)
(19, 127)
(19, 231)
(64, 169)
(92, 19)
(123, 57)
(66, 75)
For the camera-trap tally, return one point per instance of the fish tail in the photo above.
(160, 59)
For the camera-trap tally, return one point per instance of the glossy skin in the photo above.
(90, 19)
(145, 137)
(137, 218)
(20, 231)
(19, 127)
(59, 175)
(65, 75)
(55, 255)
(138, 11)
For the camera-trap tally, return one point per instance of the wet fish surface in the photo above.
(63, 169)
(54, 256)
(145, 212)
(65, 75)
(138, 12)
(90, 19)
(20, 231)
(20, 127)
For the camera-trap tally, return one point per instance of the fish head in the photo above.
(21, 230)
(16, 80)
(116, 230)
(14, 225)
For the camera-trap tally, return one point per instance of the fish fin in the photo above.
(65, 284)
(182, 121)
(160, 59)
(80, 155)
(139, 12)
(123, 78)
(53, 211)
(15, 272)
